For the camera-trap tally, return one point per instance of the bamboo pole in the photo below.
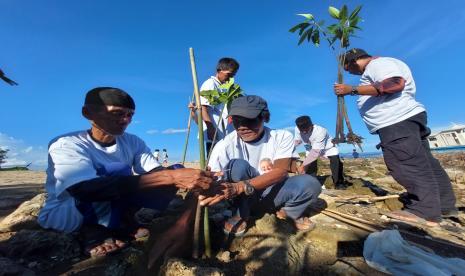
(187, 135)
(362, 226)
(195, 252)
(371, 227)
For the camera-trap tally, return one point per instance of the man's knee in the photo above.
(305, 185)
(239, 169)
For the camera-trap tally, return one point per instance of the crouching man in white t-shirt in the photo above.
(387, 105)
(321, 146)
(237, 158)
(98, 177)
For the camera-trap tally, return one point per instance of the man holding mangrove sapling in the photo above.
(388, 107)
(321, 146)
(237, 159)
(211, 114)
(98, 178)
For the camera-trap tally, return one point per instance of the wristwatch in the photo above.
(354, 91)
(248, 188)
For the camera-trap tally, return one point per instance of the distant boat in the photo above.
(448, 138)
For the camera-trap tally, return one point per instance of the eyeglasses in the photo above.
(239, 121)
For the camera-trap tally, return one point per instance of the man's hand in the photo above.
(221, 192)
(301, 169)
(341, 89)
(192, 179)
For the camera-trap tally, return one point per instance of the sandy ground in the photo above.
(333, 248)
(17, 187)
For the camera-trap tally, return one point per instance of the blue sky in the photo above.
(58, 50)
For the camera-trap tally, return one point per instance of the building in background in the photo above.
(452, 137)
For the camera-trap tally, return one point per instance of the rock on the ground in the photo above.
(177, 267)
(25, 216)
(9, 267)
(43, 247)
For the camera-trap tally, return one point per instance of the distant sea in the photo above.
(380, 153)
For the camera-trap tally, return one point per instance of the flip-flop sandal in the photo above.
(92, 236)
(405, 216)
(304, 224)
(235, 226)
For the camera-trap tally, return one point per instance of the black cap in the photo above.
(109, 96)
(248, 106)
(354, 54)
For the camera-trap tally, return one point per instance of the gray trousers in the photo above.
(408, 157)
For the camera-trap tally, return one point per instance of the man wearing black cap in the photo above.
(321, 146)
(388, 107)
(98, 177)
(237, 158)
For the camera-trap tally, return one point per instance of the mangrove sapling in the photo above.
(346, 24)
(216, 97)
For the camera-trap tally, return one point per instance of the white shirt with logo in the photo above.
(388, 109)
(275, 144)
(319, 139)
(215, 110)
(76, 157)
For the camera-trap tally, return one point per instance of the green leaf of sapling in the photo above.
(333, 12)
(355, 12)
(306, 15)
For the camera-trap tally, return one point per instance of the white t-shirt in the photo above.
(388, 109)
(319, 139)
(215, 111)
(74, 158)
(275, 144)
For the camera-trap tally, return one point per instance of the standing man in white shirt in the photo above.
(388, 107)
(211, 114)
(98, 178)
(237, 158)
(321, 146)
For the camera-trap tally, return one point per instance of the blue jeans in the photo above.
(293, 195)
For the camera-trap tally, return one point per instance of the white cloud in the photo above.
(173, 131)
(21, 154)
(152, 131)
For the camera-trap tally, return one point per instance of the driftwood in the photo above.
(372, 227)
(369, 199)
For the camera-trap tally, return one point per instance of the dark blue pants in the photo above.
(336, 166)
(293, 195)
(111, 213)
(408, 157)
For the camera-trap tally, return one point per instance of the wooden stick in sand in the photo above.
(195, 253)
(372, 227)
(187, 135)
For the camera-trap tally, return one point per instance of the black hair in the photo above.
(227, 63)
(303, 122)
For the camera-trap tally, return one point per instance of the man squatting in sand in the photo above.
(238, 156)
(98, 178)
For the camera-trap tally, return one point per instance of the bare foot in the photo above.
(108, 246)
